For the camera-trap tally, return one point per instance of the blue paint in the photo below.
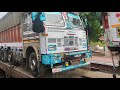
(76, 53)
(33, 15)
(89, 55)
(84, 45)
(51, 59)
(82, 62)
(69, 25)
(54, 47)
(42, 17)
(47, 59)
(59, 13)
(73, 15)
(74, 66)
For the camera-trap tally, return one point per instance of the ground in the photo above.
(87, 73)
(79, 73)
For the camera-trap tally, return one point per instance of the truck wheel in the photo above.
(2, 56)
(5, 56)
(10, 58)
(33, 64)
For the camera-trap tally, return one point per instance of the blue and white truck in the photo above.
(54, 41)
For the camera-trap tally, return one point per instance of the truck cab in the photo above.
(62, 40)
(45, 41)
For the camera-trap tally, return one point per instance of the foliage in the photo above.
(100, 43)
(93, 20)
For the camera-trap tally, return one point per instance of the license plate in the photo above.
(54, 70)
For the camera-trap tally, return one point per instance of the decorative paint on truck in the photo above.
(111, 23)
(47, 40)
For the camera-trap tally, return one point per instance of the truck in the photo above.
(111, 24)
(44, 42)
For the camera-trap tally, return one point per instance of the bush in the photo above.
(100, 43)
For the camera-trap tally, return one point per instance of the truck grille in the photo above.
(70, 41)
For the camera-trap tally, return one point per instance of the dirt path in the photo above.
(79, 73)
(96, 74)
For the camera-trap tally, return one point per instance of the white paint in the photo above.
(2, 14)
(59, 34)
(54, 70)
(43, 44)
(18, 45)
(112, 19)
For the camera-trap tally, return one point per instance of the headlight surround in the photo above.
(52, 48)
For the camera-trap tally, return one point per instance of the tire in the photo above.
(19, 59)
(10, 58)
(33, 65)
(5, 59)
(2, 55)
(49, 73)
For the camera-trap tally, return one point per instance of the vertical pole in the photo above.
(39, 57)
(114, 69)
(119, 61)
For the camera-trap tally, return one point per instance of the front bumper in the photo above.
(47, 59)
(61, 69)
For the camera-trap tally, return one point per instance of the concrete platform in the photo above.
(104, 60)
(96, 74)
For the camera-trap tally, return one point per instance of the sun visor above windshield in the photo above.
(73, 15)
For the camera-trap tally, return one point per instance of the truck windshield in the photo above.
(54, 19)
(75, 20)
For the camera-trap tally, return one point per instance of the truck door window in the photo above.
(75, 20)
(27, 22)
(54, 19)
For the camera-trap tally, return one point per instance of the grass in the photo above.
(100, 43)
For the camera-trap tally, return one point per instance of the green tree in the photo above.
(93, 20)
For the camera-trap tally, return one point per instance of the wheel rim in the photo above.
(33, 64)
(2, 56)
(9, 57)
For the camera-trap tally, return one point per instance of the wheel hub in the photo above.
(9, 57)
(33, 64)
